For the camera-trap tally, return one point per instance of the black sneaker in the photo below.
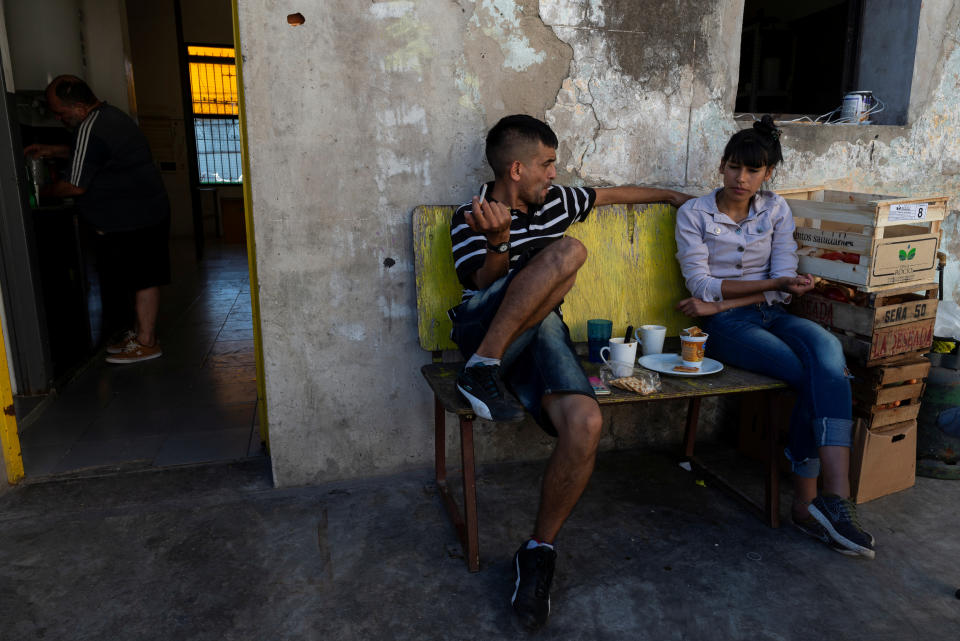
(812, 528)
(481, 385)
(531, 597)
(839, 518)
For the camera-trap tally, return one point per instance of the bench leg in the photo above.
(467, 532)
(769, 512)
(472, 547)
(772, 494)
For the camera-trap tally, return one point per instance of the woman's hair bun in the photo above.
(765, 126)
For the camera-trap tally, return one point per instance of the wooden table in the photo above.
(442, 380)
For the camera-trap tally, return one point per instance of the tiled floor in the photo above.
(197, 403)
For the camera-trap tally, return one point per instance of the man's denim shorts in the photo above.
(540, 361)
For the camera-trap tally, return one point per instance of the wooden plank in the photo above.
(906, 312)
(837, 196)
(802, 193)
(886, 395)
(843, 241)
(936, 208)
(631, 276)
(899, 373)
(888, 341)
(442, 380)
(864, 320)
(904, 256)
(880, 299)
(880, 418)
(853, 214)
(840, 271)
(835, 314)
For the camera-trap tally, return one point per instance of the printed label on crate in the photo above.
(908, 213)
(904, 257)
(901, 338)
(906, 312)
(809, 236)
(816, 309)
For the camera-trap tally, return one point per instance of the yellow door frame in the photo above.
(251, 243)
(9, 439)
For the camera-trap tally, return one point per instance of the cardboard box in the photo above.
(883, 460)
(895, 238)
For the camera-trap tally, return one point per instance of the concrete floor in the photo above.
(216, 553)
(196, 403)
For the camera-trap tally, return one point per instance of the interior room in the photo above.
(170, 66)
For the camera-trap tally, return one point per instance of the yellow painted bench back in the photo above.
(631, 275)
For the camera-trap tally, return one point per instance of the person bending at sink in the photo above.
(516, 265)
(121, 196)
(738, 256)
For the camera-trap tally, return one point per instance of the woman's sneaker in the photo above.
(838, 516)
(812, 528)
(128, 337)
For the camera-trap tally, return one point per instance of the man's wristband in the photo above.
(499, 248)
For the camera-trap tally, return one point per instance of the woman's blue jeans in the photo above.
(769, 340)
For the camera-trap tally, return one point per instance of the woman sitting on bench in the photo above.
(737, 254)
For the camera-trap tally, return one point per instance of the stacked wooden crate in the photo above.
(876, 256)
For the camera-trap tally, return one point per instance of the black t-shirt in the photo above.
(111, 160)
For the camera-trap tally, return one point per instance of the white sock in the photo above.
(533, 543)
(476, 358)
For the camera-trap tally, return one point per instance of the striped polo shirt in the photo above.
(529, 232)
(111, 160)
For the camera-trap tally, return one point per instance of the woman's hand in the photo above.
(694, 307)
(796, 285)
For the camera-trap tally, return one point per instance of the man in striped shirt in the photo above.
(120, 194)
(516, 265)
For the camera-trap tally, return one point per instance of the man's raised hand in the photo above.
(492, 219)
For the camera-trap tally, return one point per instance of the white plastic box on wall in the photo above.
(869, 241)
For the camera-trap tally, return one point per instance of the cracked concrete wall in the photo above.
(369, 109)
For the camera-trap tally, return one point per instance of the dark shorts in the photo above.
(136, 259)
(540, 361)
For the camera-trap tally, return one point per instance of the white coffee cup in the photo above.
(651, 338)
(622, 355)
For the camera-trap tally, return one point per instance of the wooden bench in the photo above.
(630, 277)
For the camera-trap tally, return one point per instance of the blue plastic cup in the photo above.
(598, 335)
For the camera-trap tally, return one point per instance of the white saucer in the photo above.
(664, 363)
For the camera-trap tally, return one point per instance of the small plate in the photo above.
(664, 363)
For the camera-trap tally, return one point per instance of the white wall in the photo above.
(107, 55)
(44, 37)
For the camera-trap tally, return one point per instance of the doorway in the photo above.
(200, 401)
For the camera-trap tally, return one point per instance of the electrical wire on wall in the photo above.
(853, 111)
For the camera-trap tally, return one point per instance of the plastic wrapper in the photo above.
(632, 379)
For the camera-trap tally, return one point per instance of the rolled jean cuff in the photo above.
(833, 432)
(807, 468)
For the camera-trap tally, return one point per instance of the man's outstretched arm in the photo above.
(632, 195)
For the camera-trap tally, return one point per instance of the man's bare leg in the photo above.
(147, 305)
(578, 422)
(533, 293)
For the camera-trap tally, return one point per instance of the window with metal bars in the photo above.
(216, 122)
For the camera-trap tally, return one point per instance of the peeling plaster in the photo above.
(500, 20)
(623, 114)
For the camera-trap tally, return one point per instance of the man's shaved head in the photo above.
(516, 138)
